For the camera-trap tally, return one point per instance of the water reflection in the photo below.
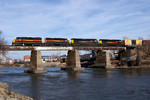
(102, 73)
(135, 72)
(36, 86)
(73, 74)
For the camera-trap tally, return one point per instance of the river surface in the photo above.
(90, 84)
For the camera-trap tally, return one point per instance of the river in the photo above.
(90, 84)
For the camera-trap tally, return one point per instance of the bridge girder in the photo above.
(55, 48)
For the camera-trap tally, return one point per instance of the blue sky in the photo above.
(99, 19)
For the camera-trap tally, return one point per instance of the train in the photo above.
(37, 41)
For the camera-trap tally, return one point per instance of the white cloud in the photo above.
(75, 18)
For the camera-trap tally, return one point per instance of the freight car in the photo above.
(27, 41)
(109, 42)
(56, 42)
(84, 42)
(129, 42)
(146, 42)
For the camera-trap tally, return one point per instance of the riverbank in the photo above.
(46, 64)
(7, 94)
(115, 64)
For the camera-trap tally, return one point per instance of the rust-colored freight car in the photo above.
(146, 42)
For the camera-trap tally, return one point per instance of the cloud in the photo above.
(75, 18)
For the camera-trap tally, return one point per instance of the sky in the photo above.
(98, 19)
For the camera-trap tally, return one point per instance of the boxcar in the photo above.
(136, 42)
(146, 42)
(127, 42)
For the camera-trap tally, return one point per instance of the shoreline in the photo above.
(52, 64)
(7, 94)
(116, 67)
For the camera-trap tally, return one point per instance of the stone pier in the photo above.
(139, 56)
(73, 61)
(103, 59)
(131, 54)
(127, 53)
(36, 65)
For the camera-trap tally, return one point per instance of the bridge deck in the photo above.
(55, 48)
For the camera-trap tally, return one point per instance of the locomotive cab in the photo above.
(14, 40)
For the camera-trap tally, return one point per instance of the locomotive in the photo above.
(56, 42)
(37, 41)
(84, 42)
(27, 41)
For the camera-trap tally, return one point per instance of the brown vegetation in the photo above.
(2, 42)
(2, 45)
(145, 50)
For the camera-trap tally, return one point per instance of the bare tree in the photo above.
(140, 38)
(149, 37)
(2, 44)
(125, 37)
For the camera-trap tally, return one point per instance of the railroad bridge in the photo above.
(73, 58)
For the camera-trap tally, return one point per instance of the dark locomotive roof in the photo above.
(109, 39)
(82, 39)
(32, 38)
(56, 38)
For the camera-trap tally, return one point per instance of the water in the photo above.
(90, 84)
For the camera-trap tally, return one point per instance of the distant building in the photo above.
(85, 57)
(55, 58)
(47, 58)
(10, 61)
(27, 58)
(63, 58)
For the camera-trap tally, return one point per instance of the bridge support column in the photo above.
(73, 61)
(36, 65)
(139, 56)
(126, 53)
(131, 54)
(103, 59)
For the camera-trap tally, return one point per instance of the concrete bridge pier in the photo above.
(36, 65)
(103, 59)
(133, 54)
(126, 53)
(73, 61)
(139, 56)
